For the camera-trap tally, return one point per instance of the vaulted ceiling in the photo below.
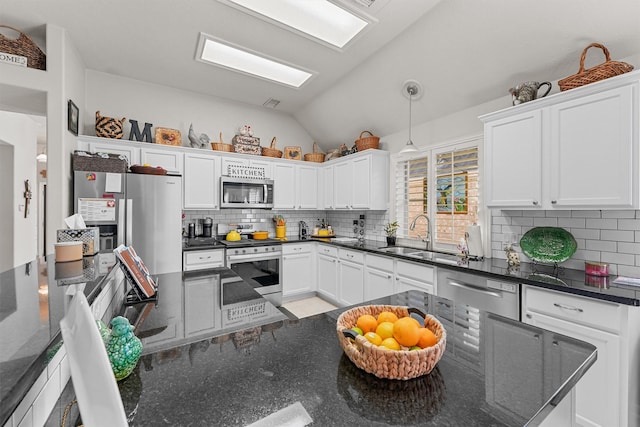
(463, 52)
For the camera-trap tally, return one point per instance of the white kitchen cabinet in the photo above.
(298, 272)
(295, 186)
(202, 260)
(351, 277)
(169, 159)
(573, 150)
(201, 181)
(513, 161)
(284, 186)
(602, 395)
(361, 181)
(247, 161)
(201, 306)
(307, 187)
(259, 162)
(328, 272)
(378, 277)
(131, 153)
(327, 189)
(410, 275)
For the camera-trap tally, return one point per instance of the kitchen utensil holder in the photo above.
(281, 231)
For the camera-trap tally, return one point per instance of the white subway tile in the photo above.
(628, 271)
(629, 248)
(558, 214)
(616, 235)
(601, 245)
(619, 214)
(571, 222)
(545, 222)
(603, 224)
(586, 214)
(617, 258)
(629, 224)
(585, 233)
(522, 221)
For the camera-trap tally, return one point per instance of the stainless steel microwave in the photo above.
(246, 193)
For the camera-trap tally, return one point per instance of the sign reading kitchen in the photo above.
(241, 171)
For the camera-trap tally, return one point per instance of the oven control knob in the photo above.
(255, 250)
(244, 251)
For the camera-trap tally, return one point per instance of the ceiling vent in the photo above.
(271, 103)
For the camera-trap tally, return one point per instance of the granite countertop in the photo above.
(253, 361)
(30, 313)
(555, 278)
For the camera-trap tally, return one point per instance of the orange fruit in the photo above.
(373, 338)
(385, 330)
(427, 338)
(367, 323)
(417, 322)
(406, 331)
(390, 343)
(387, 316)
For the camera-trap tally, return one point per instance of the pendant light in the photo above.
(411, 89)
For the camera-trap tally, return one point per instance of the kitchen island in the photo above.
(246, 360)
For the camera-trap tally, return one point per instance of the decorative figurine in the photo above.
(513, 259)
(123, 348)
(201, 141)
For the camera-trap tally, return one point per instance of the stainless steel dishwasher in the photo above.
(497, 297)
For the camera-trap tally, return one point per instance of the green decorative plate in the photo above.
(548, 245)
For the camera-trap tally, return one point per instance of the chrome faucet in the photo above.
(427, 238)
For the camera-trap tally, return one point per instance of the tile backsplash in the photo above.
(603, 236)
(340, 221)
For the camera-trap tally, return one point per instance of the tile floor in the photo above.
(308, 307)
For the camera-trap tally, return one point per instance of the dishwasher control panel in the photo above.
(502, 286)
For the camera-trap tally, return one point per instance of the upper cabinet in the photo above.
(295, 186)
(573, 150)
(360, 181)
(201, 181)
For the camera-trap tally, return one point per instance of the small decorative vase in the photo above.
(391, 240)
(123, 348)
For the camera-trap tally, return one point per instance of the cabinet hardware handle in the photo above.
(529, 316)
(209, 257)
(567, 307)
(388, 276)
(535, 202)
(553, 202)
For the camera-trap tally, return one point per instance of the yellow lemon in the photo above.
(385, 330)
(373, 338)
(390, 343)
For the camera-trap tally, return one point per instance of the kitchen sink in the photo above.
(398, 250)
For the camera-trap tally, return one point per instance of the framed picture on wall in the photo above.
(293, 153)
(72, 117)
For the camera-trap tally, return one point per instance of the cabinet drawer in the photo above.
(379, 262)
(328, 250)
(292, 249)
(601, 315)
(203, 259)
(420, 272)
(353, 256)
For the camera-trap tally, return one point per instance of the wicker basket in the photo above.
(385, 363)
(221, 146)
(366, 142)
(271, 151)
(316, 156)
(23, 46)
(600, 72)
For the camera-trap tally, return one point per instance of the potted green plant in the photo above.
(390, 229)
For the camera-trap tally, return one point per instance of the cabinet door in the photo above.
(361, 192)
(307, 188)
(378, 283)
(597, 392)
(230, 162)
(201, 306)
(284, 187)
(170, 160)
(296, 277)
(263, 164)
(327, 188)
(343, 185)
(513, 161)
(328, 277)
(351, 283)
(201, 181)
(591, 151)
(131, 153)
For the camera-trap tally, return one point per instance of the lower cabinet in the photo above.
(328, 272)
(378, 277)
(351, 280)
(298, 272)
(202, 260)
(602, 395)
(413, 276)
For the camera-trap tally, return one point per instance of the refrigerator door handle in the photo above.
(129, 222)
(120, 224)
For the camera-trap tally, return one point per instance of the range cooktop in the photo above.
(250, 242)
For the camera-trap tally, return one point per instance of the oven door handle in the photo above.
(235, 259)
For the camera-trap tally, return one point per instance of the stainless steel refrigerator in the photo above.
(150, 220)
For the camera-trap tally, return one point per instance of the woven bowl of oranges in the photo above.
(388, 342)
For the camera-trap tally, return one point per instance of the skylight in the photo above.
(320, 19)
(223, 54)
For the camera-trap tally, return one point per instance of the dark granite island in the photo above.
(245, 360)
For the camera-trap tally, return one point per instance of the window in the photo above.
(450, 202)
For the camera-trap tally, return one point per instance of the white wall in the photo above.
(19, 131)
(168, 107)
